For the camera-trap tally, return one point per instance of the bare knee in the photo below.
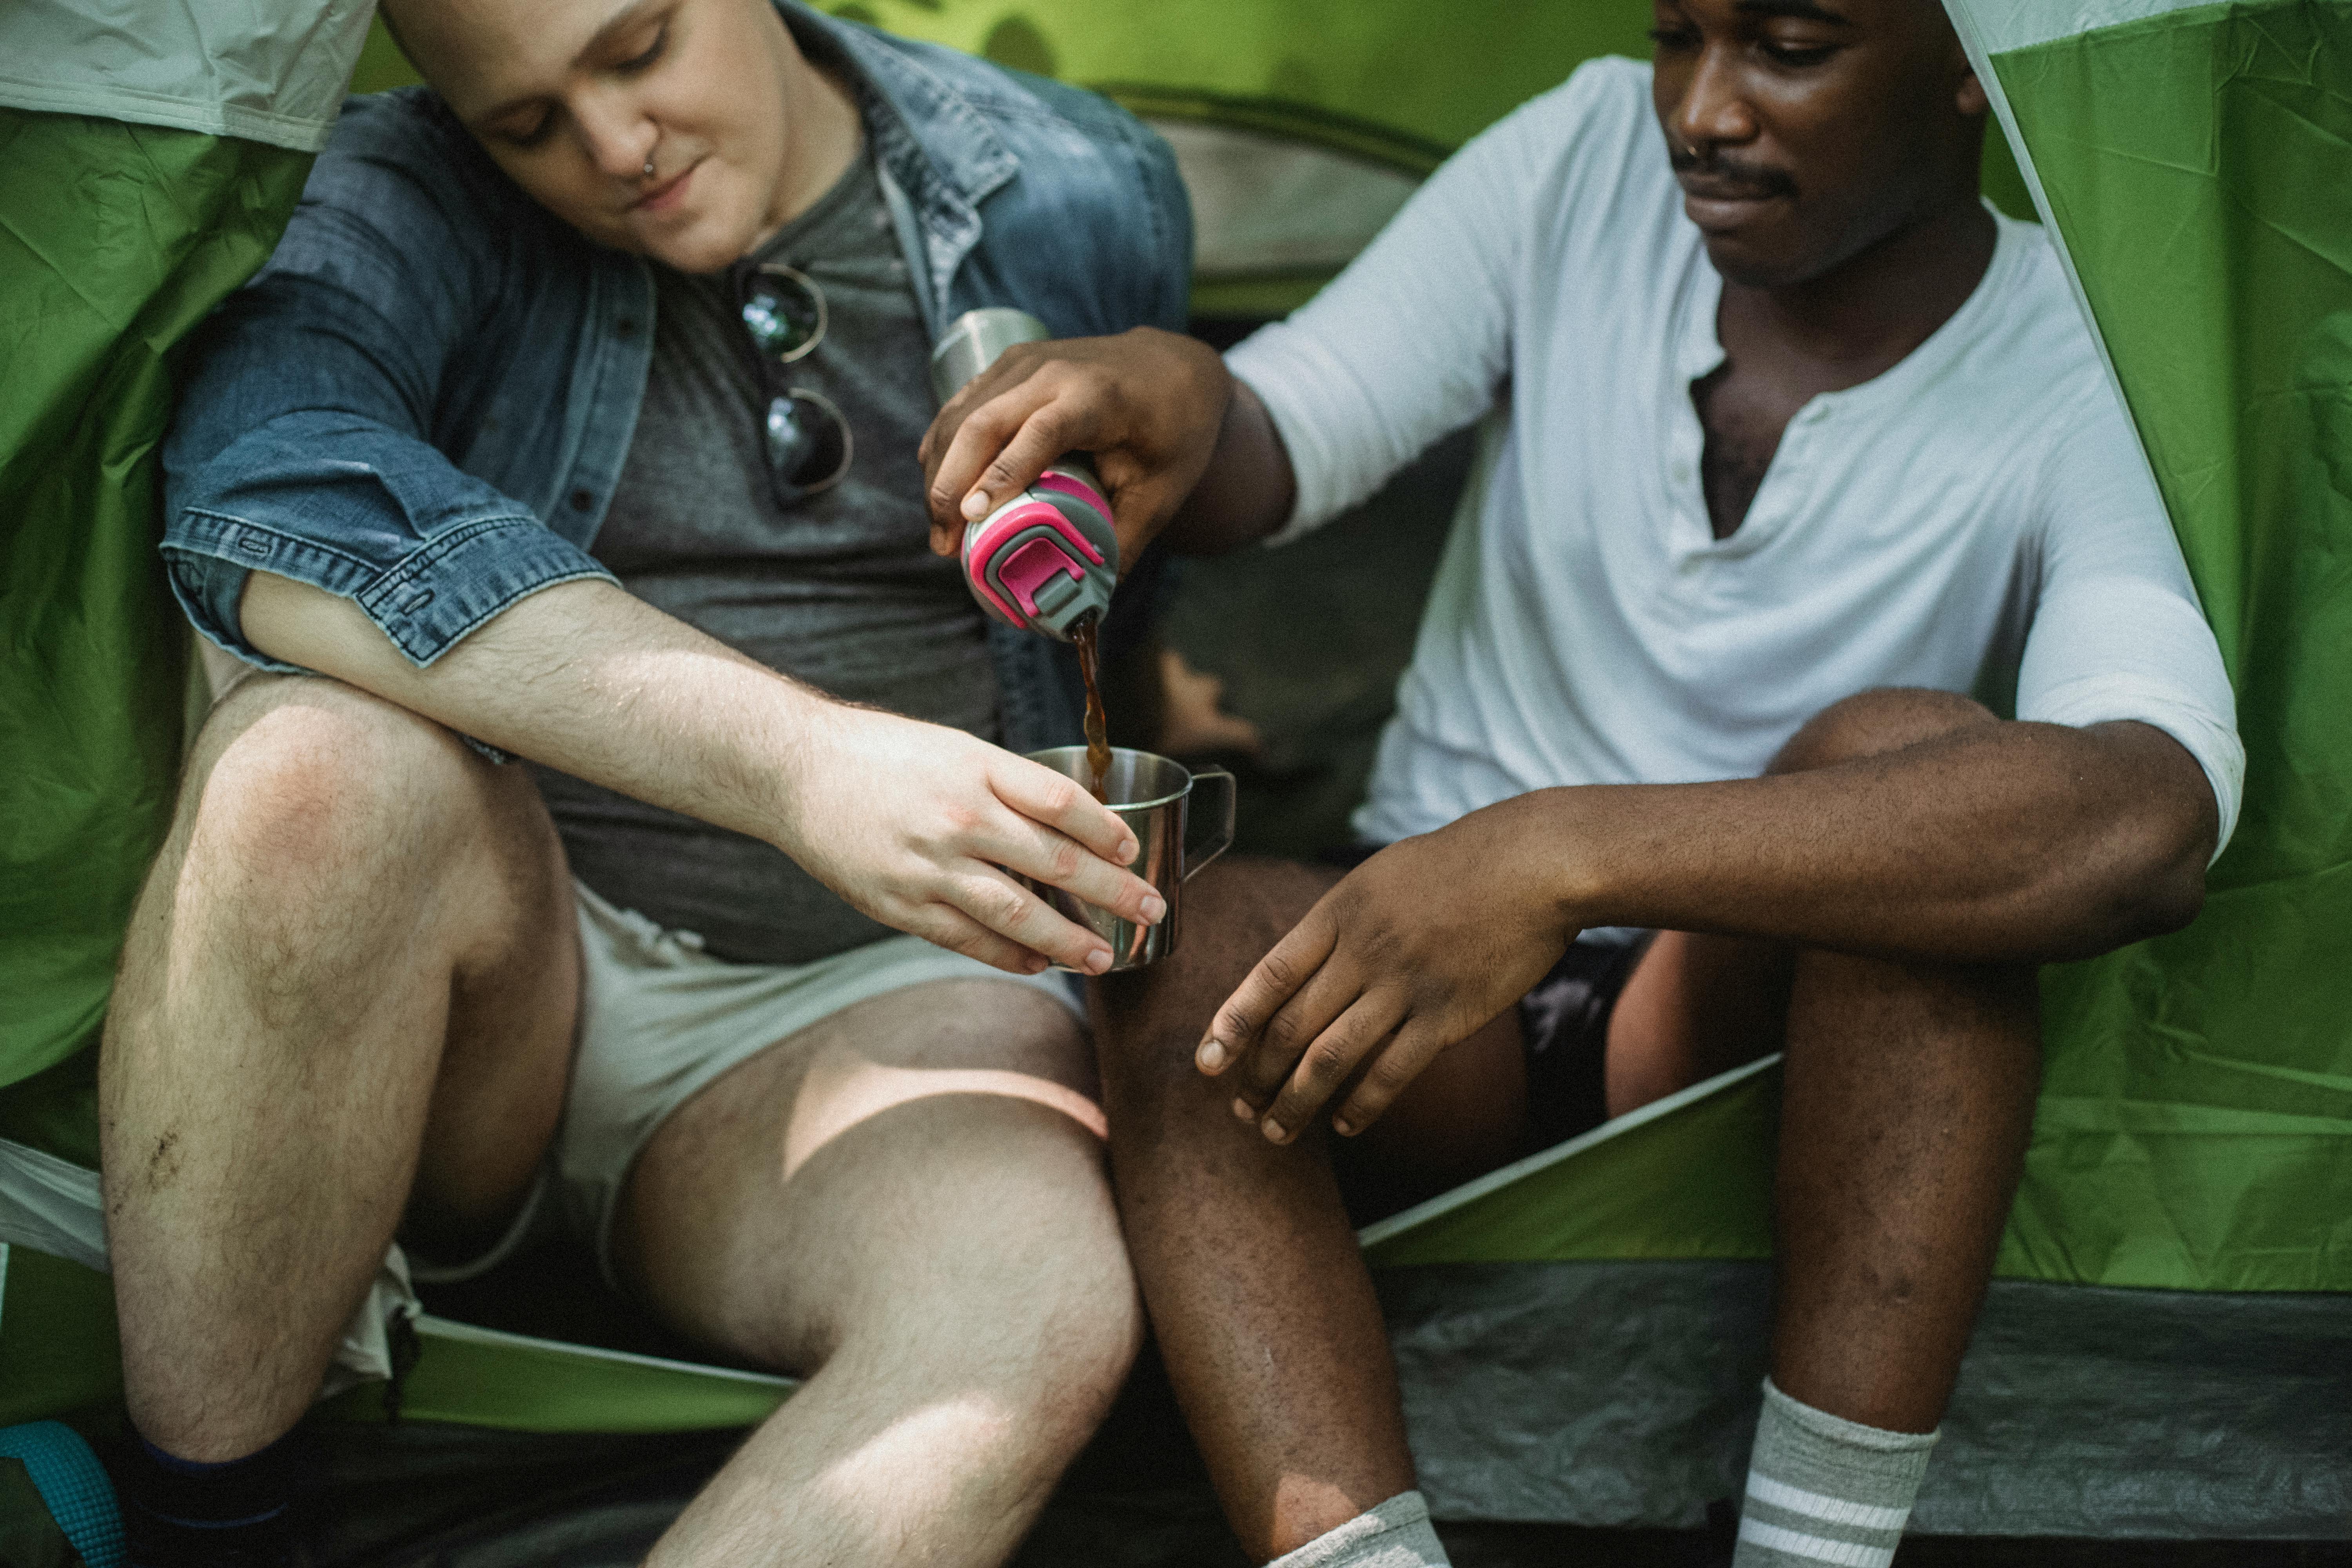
(1871, 723)
(322, 791)
(1020, 1284)
(1086, 1320)
(1148, 1024)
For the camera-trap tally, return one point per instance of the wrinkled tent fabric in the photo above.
(115, 240)
(124, 218)
(150, 157)
(150, 154)
(272, 73)
(2196, 1122)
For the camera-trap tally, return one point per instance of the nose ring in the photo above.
(649, 166)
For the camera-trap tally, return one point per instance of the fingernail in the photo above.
(1098, 960)
(1154, 907)
(1343, 1127)
(1212, 1055)
(975, 505)
(1127, 848)
(1243, 1110)
(1275, 1131)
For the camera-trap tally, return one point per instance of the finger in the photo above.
(1020, 916)
(1064, 805)
(1004, 456)
(1283, 1042)
(1329, 1060)
(1010, 369)
(970, 431)
(1276, 977)
(944, 925)
(1393, 1067)
(1058, 861)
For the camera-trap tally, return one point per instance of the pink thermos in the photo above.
(1048, 559)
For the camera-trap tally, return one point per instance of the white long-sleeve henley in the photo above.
(1978, 519)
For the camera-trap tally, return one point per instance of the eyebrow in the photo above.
(1806, 10)
(616, 22)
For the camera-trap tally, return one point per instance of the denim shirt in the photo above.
(422, 403)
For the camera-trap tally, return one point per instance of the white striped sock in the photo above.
(1825, 1492)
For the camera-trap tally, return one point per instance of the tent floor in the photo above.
(423, 1495)
(420, 1496)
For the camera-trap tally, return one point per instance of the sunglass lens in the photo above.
(808, 446)
(781, 314)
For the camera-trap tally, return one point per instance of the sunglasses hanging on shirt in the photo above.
(807, 440)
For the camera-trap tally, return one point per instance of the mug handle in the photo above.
(1219, 840)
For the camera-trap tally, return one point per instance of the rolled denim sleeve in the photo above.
(428, 551)
(309, 435)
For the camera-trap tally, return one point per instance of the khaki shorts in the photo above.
(659, 1019)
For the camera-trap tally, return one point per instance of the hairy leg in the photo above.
(1263, 1307)
(1908, 1103)
(907, 1203)
(352, 971)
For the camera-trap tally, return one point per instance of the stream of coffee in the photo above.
(1084, 635)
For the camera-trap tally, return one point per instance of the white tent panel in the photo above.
(266, 70)
(2001, 26)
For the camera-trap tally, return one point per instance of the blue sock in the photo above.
(180, 1513)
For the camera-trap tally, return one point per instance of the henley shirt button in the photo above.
(1682, 473)
(627, 327)
(581, 500)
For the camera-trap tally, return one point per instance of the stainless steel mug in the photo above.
(1155, 798)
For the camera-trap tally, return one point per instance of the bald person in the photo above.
(575, 420)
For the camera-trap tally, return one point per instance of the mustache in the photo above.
(1746, 180)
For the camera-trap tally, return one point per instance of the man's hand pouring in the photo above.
(1176, 441)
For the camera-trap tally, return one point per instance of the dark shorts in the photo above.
(1563, 1024)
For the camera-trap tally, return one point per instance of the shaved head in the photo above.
(683, 129)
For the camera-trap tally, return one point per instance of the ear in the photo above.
(1970, 98)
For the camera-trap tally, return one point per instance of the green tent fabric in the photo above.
(115, 240)
(138, 187)
(2196, 1122)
